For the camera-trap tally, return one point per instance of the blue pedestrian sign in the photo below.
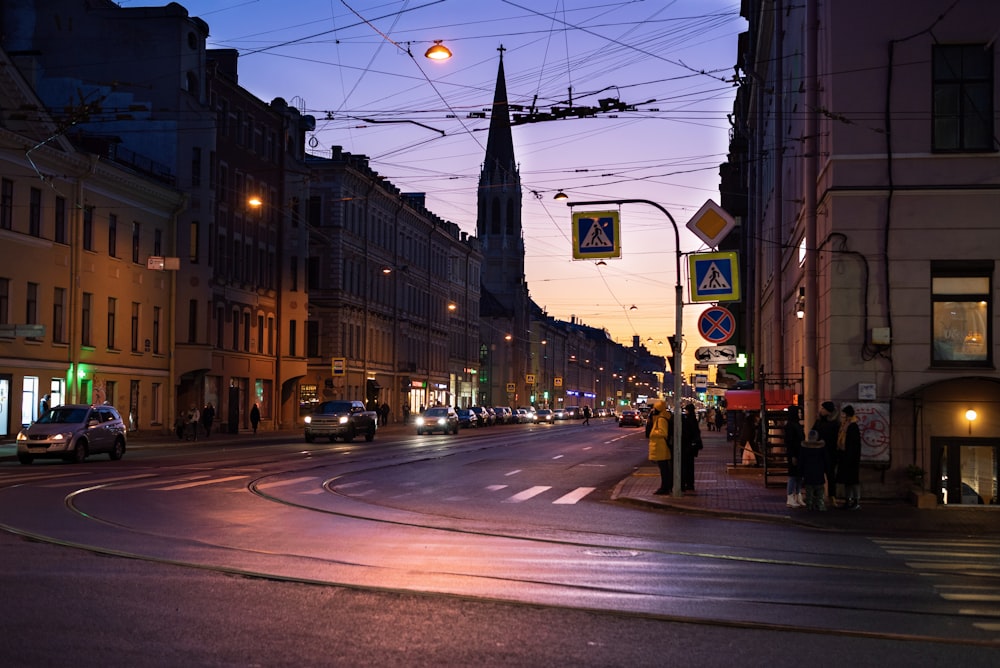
(596, 235)
(714, 277)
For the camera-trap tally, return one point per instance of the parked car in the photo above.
(559, 414)
(467, 418)
(504, 414)
(438, 418)
(630, 418)
(573, 413)
(73, 432)
(486, 419)
(529, 414)
(545, 416)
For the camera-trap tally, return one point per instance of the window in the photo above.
(35, 213)
(156, 330)
(31, 304)
(961, 314)
(135, 327)
(6, 204)
(59, 220)
(194, 242)
(195, 166)
(193, 321)
(86, 324)
(157, 242)
(136, 237)
(4, 301)
(292, 333)
(246, 332)
(260, 334)
(59, 315)
(963, 98)
(88, 228)
(112, 235)
(293, 268)
(312, 338)
(112, 308)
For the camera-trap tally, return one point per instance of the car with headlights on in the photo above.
(72, 433)
(438, 418)
(544, 416)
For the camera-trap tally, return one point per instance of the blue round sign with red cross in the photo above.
(717, 324)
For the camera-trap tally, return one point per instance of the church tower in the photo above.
(504, 312)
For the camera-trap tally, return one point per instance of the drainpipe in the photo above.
(810, 173)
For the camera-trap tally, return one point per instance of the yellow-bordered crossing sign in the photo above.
(596, 235)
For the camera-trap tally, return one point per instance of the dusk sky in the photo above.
(351, 63)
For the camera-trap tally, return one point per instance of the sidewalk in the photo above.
(721, 490)
(737, 492)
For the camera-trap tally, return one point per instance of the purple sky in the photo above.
(345, 62)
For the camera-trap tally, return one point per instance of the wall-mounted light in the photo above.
(800, 304)
(970, 415)
(438, 51)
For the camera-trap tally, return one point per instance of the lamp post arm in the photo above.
(675, 342)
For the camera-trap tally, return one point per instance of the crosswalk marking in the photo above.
(574, 496)
(285, 483)
(527, 494)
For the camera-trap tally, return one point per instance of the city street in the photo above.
(487, 529)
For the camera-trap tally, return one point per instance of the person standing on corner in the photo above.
(254, 417)
(207, 417)
(793, 447)
(827, 427)
(849, 458)
(690, 445)
(194, 419)
(660, 445)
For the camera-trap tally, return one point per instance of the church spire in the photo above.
(500, 144)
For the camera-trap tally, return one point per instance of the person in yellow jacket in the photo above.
(661, 444)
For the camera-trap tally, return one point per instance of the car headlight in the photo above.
(420, 422)
(308, 419)
(21, 436)
(441, 421)
(343, 419)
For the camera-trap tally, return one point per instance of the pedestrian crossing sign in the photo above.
(596, 235)
(714, 277)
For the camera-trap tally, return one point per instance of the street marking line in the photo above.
(284, 483)
(514, 472)
(527, 494)
(574, 496)
(198, 483)
(496, 488)
(558, 457)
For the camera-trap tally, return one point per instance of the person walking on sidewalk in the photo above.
(586, 415)
(194, 419)
(793, 445)
(207, 418)
(660, 445)
(827, 427)
(254, 417)
(849, 458)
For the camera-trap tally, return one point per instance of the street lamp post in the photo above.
(675, 342)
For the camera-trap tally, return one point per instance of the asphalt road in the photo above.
(500, 547)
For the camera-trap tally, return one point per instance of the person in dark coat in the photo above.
(207, 418)
(827, 427)
(812, 468)
(793, 444)
(849, 458)
(255, 417)
(690, 445)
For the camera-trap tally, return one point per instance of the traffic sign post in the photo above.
(717, 324)
(715, 277)
(596, 235)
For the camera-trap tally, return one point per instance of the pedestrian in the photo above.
(793, 445)
(720, 418)
(406, 414)
(254, 417)
(586, 415)
(748, 439)
(827, 427)
(849, 458)
(690, 445)
(194, 418)
(180, 422)
(44, 406)
(207, 417)
(661, 445)
(812, 468)
(383, 414)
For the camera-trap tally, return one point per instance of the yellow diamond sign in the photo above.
(711, 223)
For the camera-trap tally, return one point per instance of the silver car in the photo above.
(72, 433)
